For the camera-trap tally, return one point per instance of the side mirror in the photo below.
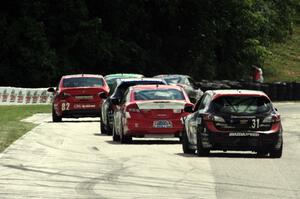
(188, 109)
(115, 101)
(51, 90)
(103, 95)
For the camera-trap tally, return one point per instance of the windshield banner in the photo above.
(15, 96)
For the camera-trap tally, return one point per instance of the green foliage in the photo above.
(42, 40)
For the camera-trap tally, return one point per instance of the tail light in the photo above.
(133, 108)
(272, 119)
(64, 95)
(188, 107)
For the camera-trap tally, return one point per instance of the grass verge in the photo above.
(284, 62)
(11, 127)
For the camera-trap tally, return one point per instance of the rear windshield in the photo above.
(158, 94)
(241, 105)
(83, 82)
(172, 80)
(119, 91)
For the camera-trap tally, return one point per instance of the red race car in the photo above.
(150, 111)
(78, 96)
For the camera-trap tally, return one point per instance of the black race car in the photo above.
(233, 120)
(107, 109)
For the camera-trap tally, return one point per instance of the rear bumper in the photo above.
(81, 113)
(140, 128)
(222, 141)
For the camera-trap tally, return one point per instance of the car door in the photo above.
(119, 113)
(196, 118)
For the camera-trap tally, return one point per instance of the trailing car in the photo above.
(150, 111)
(233, 120)
(78, 96)
(107, 109)
(111, 79)
(190, 86)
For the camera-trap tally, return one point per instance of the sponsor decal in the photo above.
(4, 96)
(35, 97)
(28, 97)
(20, 97)
(15, 95)
(243, 134)
(43, 97)
(12, 96)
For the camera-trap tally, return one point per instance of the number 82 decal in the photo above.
(65, 106)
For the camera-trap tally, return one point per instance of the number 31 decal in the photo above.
(255, 123)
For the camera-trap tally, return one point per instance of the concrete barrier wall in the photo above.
(277, 91)
(14, 96)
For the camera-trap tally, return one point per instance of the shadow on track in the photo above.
(147, 142)
(75, 121)
(226, 155)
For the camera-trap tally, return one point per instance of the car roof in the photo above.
(171, 75)
(123, 75)
(236, 92)
(158, 86)
(139, 80)
(81, 75)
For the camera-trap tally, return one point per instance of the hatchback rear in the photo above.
(238, 120)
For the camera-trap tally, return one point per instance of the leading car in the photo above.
(150, 111)
(241, 120)
(78, 96)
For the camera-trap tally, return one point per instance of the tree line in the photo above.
(208, 39)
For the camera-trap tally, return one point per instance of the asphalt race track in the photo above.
(73, 160)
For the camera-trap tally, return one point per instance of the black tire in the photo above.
(55, 117)
(115, 137)
(185, 144)
(108, 130)
(125, 139)
(102, 128)
(201, 151)
(276, 153)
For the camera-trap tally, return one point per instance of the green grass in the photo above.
(284, 62)
(11, 127)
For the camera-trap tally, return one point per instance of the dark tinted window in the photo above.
(241, 105)
(122, 87)
(173, 80)
(158, 94)
(82, 82)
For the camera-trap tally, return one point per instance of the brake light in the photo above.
(272, 119)
(275, 118)
(133, 108)
(188, 107)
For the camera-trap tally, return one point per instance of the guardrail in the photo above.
(15, 95)
(277, 91)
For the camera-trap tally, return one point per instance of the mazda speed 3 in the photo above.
(233, 120)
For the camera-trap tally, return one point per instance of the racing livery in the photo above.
(107, 109)
(150, 111)
(233, 120)
(78, 96)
